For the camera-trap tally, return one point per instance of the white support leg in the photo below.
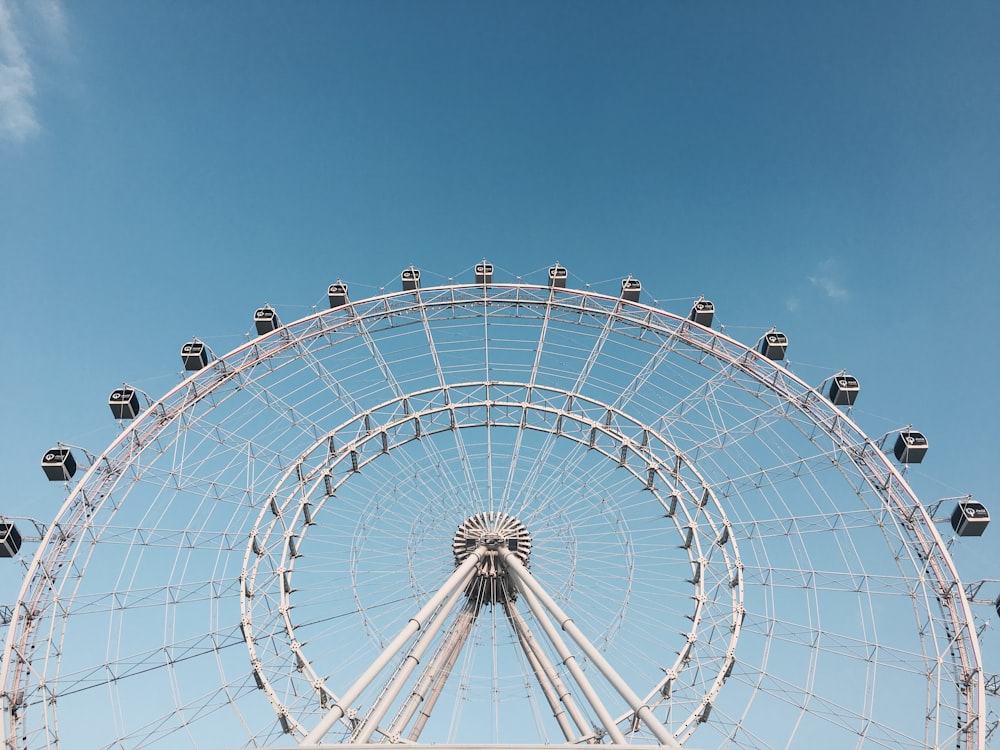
(440, 662)
(574, 668)
(440, 677)
(548, 679)
(457, 579)
(375, 715)
(520, 574)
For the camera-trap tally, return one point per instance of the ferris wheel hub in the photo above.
(491, 583)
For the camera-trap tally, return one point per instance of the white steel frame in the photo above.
(695, 505)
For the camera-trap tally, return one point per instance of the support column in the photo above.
(574, 668)
(370, 723)
(440, 677)
(440, 663)
(548, 679)
(459, 578)
(526, 581)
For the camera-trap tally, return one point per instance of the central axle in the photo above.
(491, 583)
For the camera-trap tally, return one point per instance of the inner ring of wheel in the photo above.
(319, 472)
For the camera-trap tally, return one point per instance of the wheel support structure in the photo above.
(491, 573)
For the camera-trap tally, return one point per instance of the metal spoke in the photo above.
(614, 526)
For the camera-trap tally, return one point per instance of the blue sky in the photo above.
(832, 170)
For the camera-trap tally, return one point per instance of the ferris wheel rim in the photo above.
(159, 410)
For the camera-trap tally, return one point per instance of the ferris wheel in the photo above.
(493, 513)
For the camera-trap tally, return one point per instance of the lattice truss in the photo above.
(751, 565)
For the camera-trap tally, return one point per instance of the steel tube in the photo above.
(574, 668)
(457, 579)
(439, 677)
(452, 641)
(522, 576)
(395, 686)
(542, 669)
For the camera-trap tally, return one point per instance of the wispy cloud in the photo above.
(17, 84)
(18, 118)
(53, 18)
(827, 278)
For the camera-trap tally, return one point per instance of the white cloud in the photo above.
(17, 85)
(827, 280)
(53, 18)
(18, 119)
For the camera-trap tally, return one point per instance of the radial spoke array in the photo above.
(492, 514)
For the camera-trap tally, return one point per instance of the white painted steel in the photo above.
(571, 664)
(457, 580)
(375, 715)
(195, 543)
(548, 673)
(428, 688)
(525, 578)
